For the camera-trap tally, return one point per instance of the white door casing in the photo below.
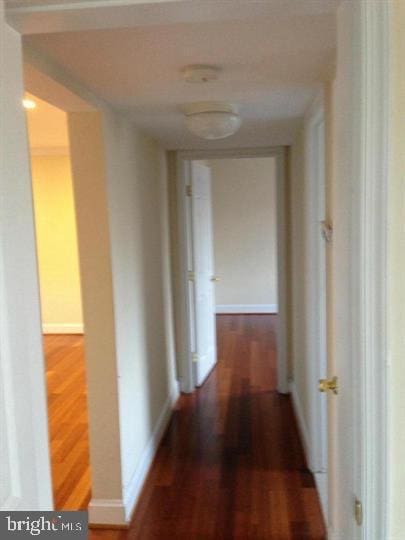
(203, 272)
(370, 268)
(185, 325)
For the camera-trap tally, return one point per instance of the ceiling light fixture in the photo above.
(212, 119)
(29, 103)
(200, 73)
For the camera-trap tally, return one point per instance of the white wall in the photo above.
(55, 225)
(244, 200)
(139, 231)
(123, 232)
(90, 186)
(25, 480)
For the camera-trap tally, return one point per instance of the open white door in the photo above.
(205, 355)
(318, 236)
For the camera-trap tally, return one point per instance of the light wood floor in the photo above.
(68, 423)
(231, 464)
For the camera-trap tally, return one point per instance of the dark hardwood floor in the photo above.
(231, 465)
(68, 423)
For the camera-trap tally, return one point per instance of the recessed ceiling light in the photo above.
(29, 103)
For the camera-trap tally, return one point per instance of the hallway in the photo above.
(231, 464)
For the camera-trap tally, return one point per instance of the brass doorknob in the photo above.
(329, 384)
(215, 278)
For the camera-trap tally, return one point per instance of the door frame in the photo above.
(183, 175)
(369, 277)
(367, 185)
(23, 399)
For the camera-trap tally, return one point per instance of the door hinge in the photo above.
(326, 231)
(194, 357)
(358, 512)
(189, 190)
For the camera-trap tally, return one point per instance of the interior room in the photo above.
(244, 202)
(234, 210)
(61, 304)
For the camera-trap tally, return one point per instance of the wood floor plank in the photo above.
(231, 464)
(68, 423)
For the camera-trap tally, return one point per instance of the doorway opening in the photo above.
(244, 202)
(231, 211)
(233, 237)
(61, 304)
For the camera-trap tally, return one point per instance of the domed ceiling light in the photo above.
(212, 119)
(209, 119)
(200, 73)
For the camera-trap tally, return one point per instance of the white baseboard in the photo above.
(302, 426)
(332, 535)
(321, 480)
(107, 512)
(134, 487)
(63, 328)
(117, 511)
(247, 308)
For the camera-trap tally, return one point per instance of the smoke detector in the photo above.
(200, 73)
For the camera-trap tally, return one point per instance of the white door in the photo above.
(320, 237)
(205, 355)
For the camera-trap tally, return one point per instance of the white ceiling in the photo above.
(272, 62)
